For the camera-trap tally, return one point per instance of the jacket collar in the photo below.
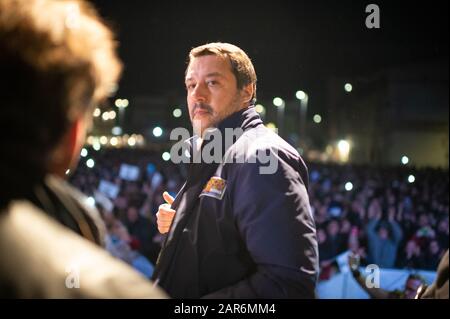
(244, 119)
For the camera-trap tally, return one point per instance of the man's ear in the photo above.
(66, 153)
(75, 134)
(247, 93)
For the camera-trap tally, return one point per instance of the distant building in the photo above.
(397, 112)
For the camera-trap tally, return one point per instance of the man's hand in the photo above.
(354, 262)
(165, 214)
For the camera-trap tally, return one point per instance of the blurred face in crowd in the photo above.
(383, 233)
(321, 236)
(391, 199)
(321, 210)
(333, 228)
(119, 230)
(434, 247)
(411, 247)
(345, 226)
(391, 211)
(411, 286)
(212, 92)
(443, 226)
(132, 214)
(423, 220)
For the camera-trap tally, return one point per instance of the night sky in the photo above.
(293, 44)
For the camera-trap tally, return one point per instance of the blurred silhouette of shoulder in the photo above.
(39, 258)
(439, 288)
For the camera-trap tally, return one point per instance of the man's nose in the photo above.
(199, 93)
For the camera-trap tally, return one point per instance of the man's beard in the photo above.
(199, 126)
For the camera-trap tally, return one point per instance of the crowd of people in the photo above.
(129, 213)
(383, 218)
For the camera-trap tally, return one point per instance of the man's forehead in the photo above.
(208, 65)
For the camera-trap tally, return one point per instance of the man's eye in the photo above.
(211, 83)
(190, 86)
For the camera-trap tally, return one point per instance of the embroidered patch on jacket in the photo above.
(214, 188)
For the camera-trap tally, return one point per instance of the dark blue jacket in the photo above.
(239, 233)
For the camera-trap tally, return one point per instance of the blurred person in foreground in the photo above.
(240, 227)
(439, 288)
(57, 61)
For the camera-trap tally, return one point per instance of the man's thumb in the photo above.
(168, 198)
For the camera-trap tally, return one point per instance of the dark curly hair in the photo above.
(57, 60)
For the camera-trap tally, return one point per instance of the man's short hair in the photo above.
(241, 65)
(57, 60)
